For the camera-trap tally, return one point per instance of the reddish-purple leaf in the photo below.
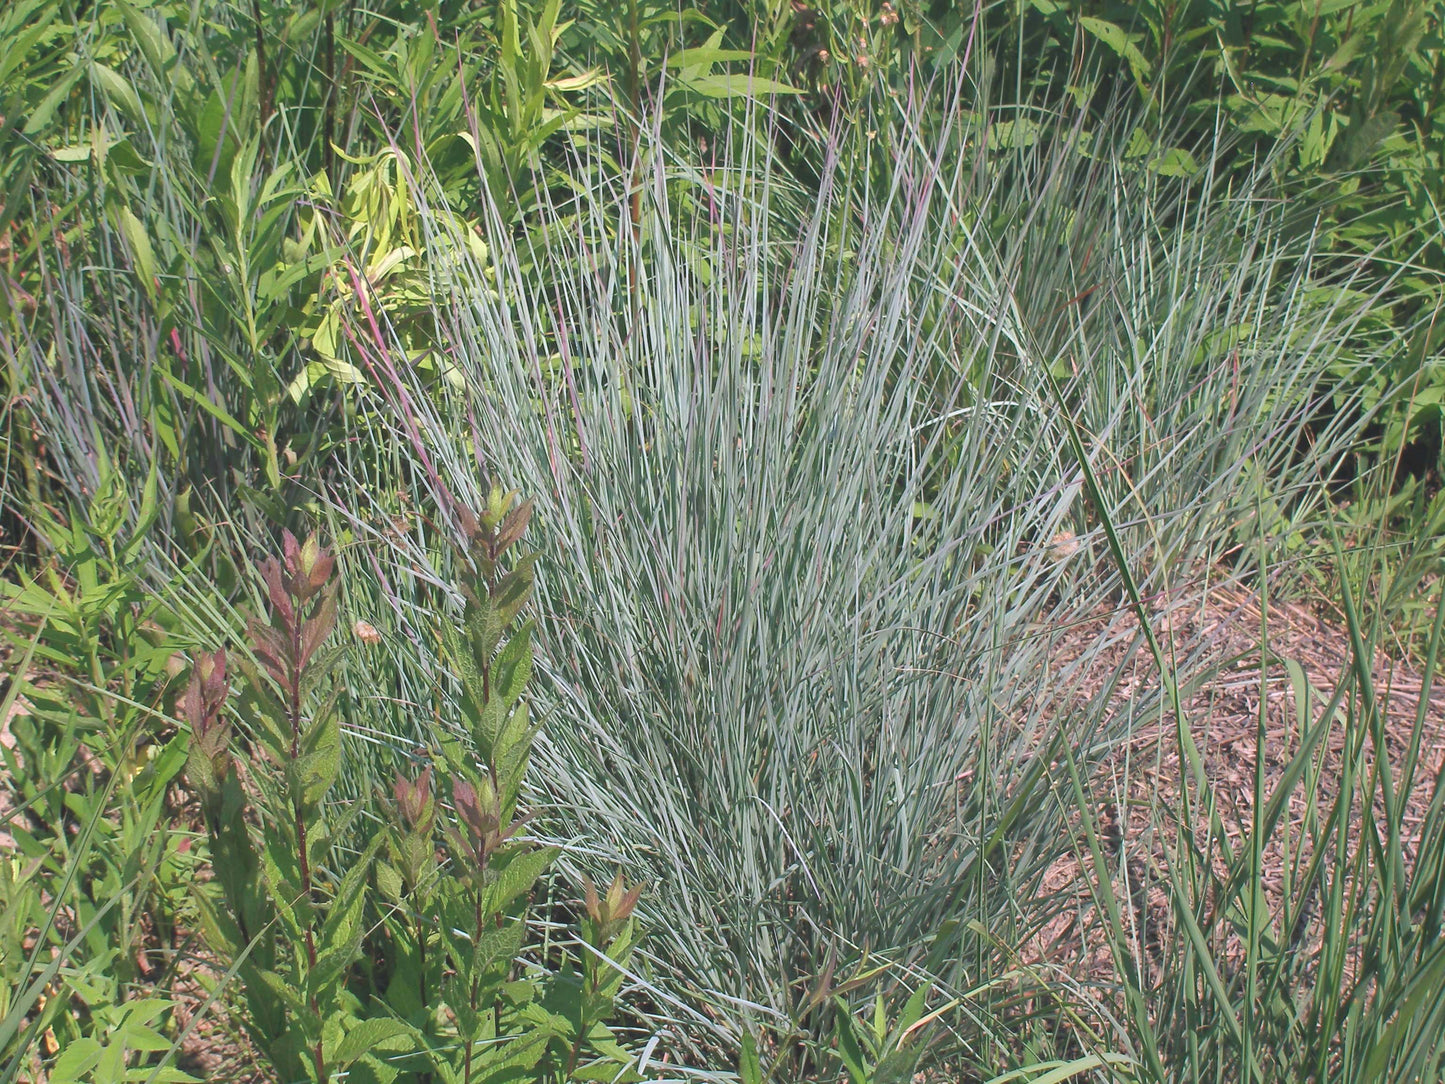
(283, 614)
(318, 628)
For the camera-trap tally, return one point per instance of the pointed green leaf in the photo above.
(386, 1034)
(517, 877)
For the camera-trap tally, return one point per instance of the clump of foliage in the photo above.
(418, 980)
(1343, 101)
(240, 244)
(93, 885)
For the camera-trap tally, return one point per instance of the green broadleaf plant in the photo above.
(92, 884)
(419, 980)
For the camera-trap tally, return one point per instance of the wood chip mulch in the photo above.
(1140, 778)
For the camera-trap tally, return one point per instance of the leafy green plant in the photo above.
(95, 886)
(295, 983)
(62, 958)
(212, 170)
(815, 703)
(427, 986)
(874, 1047)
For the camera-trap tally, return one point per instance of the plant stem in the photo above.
(262, 75)
(299, 812)
(421, 960)
(423, 1078)
(328, 125)
(472, 993)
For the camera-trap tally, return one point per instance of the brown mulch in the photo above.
(216, 1048)
(1139, 783)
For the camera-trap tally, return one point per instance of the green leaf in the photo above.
(149, 507)
(282, 990)
(701, 58)
(213, 408)
(737, 86)
(848, 1048)
(333, 957)
(604, 1069)
(750, 1070)
(77, 1059)
(153, 40)
(1056, 1072)
(385, 1033)
(140, 247)
(81, 152)
(16, 48)
(1175, 162)
(501, 1061)
(513, 666)
(517, 878)
(498, 945)
(515, 589)
(44, 113)
(510, 748)
(350, 899)
(389, 882)
(218, 931)
(912, 1013)
(119, 91)
(487, 725)
(1015, 134)
(1118, 42)
(318, 769)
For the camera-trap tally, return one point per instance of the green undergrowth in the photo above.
(386, 940)
(846, 385)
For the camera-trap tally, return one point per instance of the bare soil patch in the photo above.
(1139, 785)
